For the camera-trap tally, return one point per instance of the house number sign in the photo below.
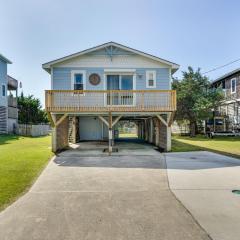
(94, 79)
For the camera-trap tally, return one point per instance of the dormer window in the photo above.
(233, 85)
(151, 79)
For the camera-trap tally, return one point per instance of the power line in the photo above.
(216, 68)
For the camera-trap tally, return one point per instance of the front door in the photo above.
(120, 82)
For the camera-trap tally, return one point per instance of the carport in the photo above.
(153, 128)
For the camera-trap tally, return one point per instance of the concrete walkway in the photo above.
(88, 195)
(203, 182)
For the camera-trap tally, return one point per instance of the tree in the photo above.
(30, 110)
(195, 98)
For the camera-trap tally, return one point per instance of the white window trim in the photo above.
(73, 72)
(233, 79)
(154, 79)
(2, 90)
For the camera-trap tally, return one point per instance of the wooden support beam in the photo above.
(52, 123)
(162, 120)
(104, 120)
(61, 119)
(116, 120)
(170, 118)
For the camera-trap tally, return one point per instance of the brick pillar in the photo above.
(60, 134)
(156, 132)
(164, 136)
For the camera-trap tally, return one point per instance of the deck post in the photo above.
(110, 134)
(146, 130)
(151, 130)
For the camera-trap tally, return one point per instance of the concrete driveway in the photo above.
(203, 182)
(88, 195)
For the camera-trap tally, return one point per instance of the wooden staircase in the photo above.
(70, 130)
(73, 129)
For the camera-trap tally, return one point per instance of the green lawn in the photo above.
(21, 161)
(225, 145)
(128, 135)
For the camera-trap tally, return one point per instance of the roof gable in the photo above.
(229, 74)
(111, 49)
(5, 59)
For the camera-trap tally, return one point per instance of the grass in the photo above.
(128, 135)
(21, 161)
(225, 145)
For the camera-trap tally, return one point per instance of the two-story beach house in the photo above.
(227, 115)
(93, 89)
(8, 99)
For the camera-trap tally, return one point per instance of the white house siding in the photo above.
(3, 100)
(3, 81)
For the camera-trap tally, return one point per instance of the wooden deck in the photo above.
(110, 101)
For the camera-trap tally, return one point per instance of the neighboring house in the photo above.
(93, 89)
(8, 99)
(227, 116)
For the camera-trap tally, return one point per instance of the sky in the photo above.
(193, 33)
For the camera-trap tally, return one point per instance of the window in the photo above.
(151, 79)
(233, 85)
(3, 90)
(223, 84)
(120, 82)
(127, 82)
(78, 79)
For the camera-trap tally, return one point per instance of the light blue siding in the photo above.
(162, 79)
(62, 78)
(3, 80)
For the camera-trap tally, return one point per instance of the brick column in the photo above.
(156, 131)
(164, 136)
(151, 130)
(60, 134)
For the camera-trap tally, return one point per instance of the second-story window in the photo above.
(223, 84)
(3, 90)
(151, 79)
(78, 81)
(233, 85)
